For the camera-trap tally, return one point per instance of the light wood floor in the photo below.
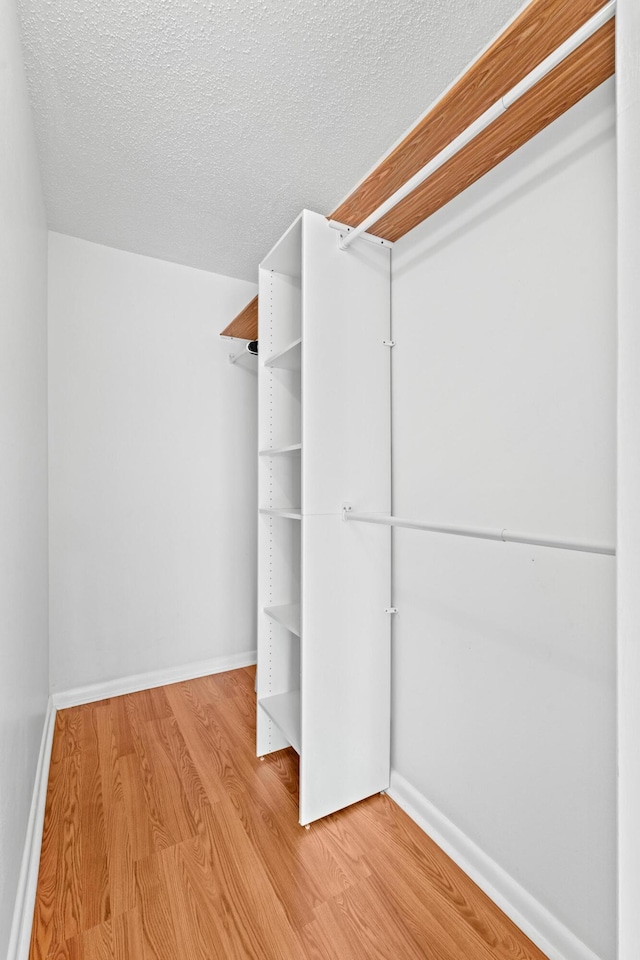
(166, 839)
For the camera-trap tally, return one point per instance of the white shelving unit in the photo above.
(324, 585)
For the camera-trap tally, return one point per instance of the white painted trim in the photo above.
(155, 678)
(539, 924)
(628, 466)
(22, 923)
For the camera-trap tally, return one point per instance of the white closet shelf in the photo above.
(291, 513)
(292, 449)
(288, 358)
(284, 710)
(288, 616)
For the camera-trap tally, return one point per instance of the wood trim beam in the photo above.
(541, 27)
(573, 79)
(245, 325)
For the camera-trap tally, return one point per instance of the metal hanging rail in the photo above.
(484, 120)
(506, 536)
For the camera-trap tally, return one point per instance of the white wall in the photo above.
(23, 462)
(504, 313)
(628, 128)
(152, 466)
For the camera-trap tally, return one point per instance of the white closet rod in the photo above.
(505, 535)
(483, 121)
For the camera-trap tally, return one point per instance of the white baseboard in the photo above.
(20, 936)
(155, 678)
(546, 931)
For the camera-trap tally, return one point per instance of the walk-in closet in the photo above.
(319, 480)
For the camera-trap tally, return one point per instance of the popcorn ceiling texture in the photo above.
(196, 130)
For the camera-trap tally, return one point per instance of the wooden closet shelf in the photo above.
(245, 324)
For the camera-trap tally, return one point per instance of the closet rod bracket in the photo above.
(344, 229)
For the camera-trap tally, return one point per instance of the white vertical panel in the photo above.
(345, 664)
(346, 409)
(346, 450)
(628, 104)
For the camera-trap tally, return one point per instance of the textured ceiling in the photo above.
(196, 130)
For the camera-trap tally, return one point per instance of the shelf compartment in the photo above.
(291, 513)
(288, 358)
(291, 449)
(284, 710)
(287, 616)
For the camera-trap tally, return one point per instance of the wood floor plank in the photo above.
(127, 936)
(96, 943)
(300, 866)
(166, 837)
(122, 888)
(197, 905)
(231, 682)
(139, 823)
(210, 750)
(362, 926)
(175, 818)
(94, 877)
(159, 940)
(172, 819)
(204, 689)
(67, 734)
(266, 820)
(67, 950)
(253, 911)
(456, 901)
(58, 905)
(121, 727)
(148, 704)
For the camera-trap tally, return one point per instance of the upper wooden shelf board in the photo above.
(535, 33)
(245, 325)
